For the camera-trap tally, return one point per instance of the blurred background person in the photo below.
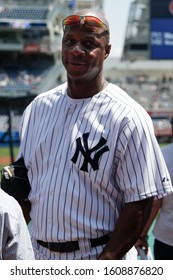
(15, 243)
(162, 211)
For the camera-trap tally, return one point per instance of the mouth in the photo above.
(76, 67)
(75, 63)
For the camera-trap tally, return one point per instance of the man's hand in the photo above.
(142, 243)
(129, 226)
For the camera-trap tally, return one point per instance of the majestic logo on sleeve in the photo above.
(100, 149)
(165, 179)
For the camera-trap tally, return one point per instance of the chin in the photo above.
(75, 76)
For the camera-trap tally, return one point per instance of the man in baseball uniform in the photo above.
(93, 162)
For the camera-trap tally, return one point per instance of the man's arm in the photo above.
(142, 242)
(129, 226)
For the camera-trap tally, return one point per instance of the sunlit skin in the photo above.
(84, 50)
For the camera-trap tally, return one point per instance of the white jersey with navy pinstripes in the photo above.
(86, 159)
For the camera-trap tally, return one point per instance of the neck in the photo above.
(80, 90)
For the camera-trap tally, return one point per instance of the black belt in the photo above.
(71, 246)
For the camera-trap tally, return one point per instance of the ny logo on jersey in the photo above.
(86, 152)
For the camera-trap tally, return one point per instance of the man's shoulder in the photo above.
(167, 149)
(60, 89)
(122, 96)
(8, 205)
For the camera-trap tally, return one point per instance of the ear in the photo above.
(107, 50)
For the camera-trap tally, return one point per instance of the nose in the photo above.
(77, 50)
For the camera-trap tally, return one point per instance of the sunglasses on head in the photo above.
(89, 21)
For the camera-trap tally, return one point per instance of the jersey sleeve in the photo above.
(141, 170)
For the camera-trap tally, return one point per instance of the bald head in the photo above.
(104, 28)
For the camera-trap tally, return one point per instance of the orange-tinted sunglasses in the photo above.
(89, 21)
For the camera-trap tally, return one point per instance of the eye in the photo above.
(69, 42)
(90, 45)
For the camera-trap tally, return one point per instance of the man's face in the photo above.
(83, 51)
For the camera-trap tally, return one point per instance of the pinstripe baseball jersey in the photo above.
(86, 158)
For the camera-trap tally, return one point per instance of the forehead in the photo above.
(82, 30)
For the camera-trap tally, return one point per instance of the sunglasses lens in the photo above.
(71, 20)
(88, 20)
(93, 21)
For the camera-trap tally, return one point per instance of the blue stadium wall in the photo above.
(161, 29)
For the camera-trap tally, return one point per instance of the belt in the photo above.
(71, 246)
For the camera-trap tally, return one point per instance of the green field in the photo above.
(5, 152)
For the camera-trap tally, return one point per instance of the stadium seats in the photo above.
(24, 13)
